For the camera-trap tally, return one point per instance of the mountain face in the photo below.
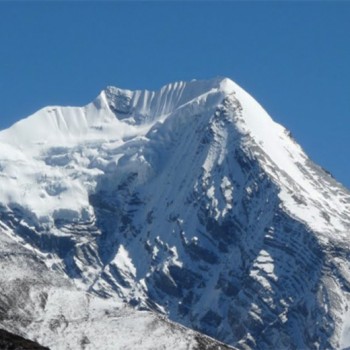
(186, 205)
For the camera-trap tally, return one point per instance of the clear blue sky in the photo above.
(293, 57)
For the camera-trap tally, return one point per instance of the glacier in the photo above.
(152, 218)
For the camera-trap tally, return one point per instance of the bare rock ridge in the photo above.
(152, 218)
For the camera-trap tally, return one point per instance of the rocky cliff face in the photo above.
(190, 202)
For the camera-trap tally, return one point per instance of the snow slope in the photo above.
(189, 201)
(42, 304)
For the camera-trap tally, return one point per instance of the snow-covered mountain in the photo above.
(186, 205)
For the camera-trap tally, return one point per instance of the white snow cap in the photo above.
(50, 160)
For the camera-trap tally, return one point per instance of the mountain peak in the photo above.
(56, 124)
(171, 96)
